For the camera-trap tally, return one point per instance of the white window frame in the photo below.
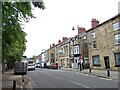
(116, 26)
(96, 58)
(117, 58)
(76, 49)
(94, 43)
(93, 34)
(117, 38)
(85, 37)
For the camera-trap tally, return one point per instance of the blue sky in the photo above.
(57, 20)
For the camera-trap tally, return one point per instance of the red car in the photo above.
(53, 66)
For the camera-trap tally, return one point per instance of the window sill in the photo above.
(94, 48)
(117, 66)
(97, 65)
(117, 44)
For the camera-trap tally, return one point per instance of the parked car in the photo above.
(37, 65)
(42, 64)
(53, 66)
(31, 67)
(47, 65)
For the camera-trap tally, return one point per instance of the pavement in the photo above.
(114, 75)
(8, 78)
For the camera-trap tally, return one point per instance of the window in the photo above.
(96, 61)
(117, 59)
(76, 49)
(116, 26)
(94, 44)
(94, 35)
(117, 38)
(66, 49)
(85, 37)
(71, 50)
(75, 60)
(60, 51)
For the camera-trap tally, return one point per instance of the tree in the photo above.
(13, 37)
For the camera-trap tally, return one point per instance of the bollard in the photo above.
(90, 70)
(14, 85)
(108, 72)
(22, 78)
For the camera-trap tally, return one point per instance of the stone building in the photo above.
(52, 53)
(64, 53)
(78, 48)
(104, 44)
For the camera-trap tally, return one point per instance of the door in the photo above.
(107, 64)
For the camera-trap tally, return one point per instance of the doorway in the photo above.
(107, 63)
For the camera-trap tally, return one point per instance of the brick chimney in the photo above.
(81, 30)
(94, 22)
(59, 41)
(64, 38)
(53, 44)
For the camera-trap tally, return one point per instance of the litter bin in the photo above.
(20, 68)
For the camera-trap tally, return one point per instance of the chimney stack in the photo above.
(64, 38)
(94, 22)
(50, 45)
(53, 44)
(81, 30)
(59, 41)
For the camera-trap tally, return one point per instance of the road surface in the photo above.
(45, 78)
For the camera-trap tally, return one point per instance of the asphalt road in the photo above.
(45, 78)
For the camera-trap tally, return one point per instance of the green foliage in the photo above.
(13, 37)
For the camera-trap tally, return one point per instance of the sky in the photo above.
(57, 20)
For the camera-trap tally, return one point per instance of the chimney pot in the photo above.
(81, 30)
(59, 41)
(94, 22)
(64, 38)
(53, 44)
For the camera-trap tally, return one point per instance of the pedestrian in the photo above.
(83, 65)
(78, 64)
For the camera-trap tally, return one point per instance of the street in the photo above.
(45, 78)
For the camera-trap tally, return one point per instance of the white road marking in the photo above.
(79, 84)
(30, 86)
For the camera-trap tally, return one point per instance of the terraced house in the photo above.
(52, 53)
(104, 44)
(64, 53)
(97, 48)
